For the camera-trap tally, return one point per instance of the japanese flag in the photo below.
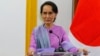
(85, 27)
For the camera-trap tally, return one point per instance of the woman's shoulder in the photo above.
(35, 29)
(58, 27)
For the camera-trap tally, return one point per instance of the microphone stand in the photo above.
(60, 48)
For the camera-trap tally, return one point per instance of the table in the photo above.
(57, 54)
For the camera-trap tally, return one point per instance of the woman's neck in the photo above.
(48, 25)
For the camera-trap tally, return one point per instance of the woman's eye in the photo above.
(50, 12)
(44, 12)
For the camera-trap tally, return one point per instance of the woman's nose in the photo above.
(47, 15)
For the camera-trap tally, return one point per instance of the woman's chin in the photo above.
(48, 23)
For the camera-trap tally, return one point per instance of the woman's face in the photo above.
(48, 15)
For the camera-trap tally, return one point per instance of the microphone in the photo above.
(50, 31)
(60, 48)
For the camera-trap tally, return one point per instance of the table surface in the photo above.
(57, 54)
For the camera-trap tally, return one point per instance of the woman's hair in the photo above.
(52, 4)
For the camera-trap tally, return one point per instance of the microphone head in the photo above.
(50, 31)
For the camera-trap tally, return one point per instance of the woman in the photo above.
(49, 36)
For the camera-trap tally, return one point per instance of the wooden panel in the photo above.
(74, 5)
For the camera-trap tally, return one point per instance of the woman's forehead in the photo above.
(47, 8)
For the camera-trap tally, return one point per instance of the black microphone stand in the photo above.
(60, 48)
